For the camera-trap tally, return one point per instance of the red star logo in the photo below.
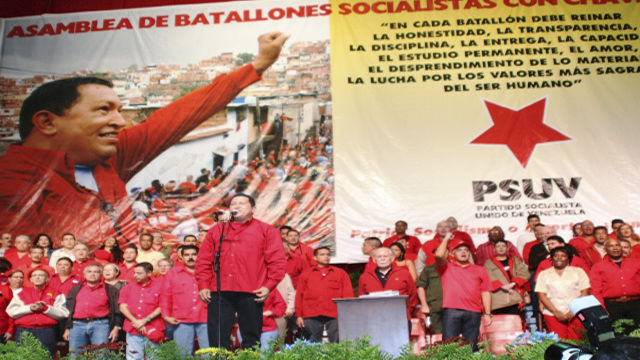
(521, 130)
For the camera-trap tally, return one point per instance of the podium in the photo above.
(384, 319)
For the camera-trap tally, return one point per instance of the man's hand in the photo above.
(425, 309)
(36, 307)
(488, 320)
(205, 295)
(65, 335)
(300, 322)
(139, 324)
(448, 237)
(261, 294)
(508, 287)
(269, 47)
(113, 335)
(288, 314)
(7, 336)
(171, 320)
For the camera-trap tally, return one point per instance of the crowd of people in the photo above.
(151, 292)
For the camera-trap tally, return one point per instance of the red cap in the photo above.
(456, 242)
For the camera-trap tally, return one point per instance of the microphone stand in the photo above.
(216, 269)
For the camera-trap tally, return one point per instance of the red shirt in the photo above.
(180, 297)
(413, 243)
(580, 243)
(371, 265)
(276, 304)
(6, 321)
(548, 263)
(187, 187)
(398, 279)
(38, 188)
(252, 257)
(126, 273)
(91, 302)
(16, 261)
(462, 286)
(429, 247)
(305, 253)
(63, 287)
(608, 280)
(487, 250)
(295, 267)
(590, 255)
(316, 289)
(142, 300)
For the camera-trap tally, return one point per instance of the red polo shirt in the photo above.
(17, 261)
(413, 243)
(126, 273)
(65, 286)
(608, 280)
(316, 289)
(398, 279)
(295, 267)
(91, 302)
(462, 286)
(142, 300)
(180, 297)
(580, 243)
(252, 256)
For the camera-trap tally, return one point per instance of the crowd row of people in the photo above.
(147, 293)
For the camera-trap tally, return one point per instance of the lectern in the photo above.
(384, 319)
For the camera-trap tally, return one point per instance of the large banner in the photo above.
(487, 111)
(376, 111)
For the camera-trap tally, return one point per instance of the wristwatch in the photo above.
(489, 315)
(148, 319)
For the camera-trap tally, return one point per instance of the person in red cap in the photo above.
(466, 291)
(140, 305)
(37, 310)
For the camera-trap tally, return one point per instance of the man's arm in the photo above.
(442, 252)
(422, 297)
(140, 144)
(486, 305)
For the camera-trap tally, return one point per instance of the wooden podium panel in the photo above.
(384, 319)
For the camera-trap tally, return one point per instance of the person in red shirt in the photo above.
(298, 249)
(37, 310)
(187, 187)
(295, 266)
(181, 306)
(466, 291)
(615, 282)
(140, 305)
(252, 263)
(19, 254)
(594, 253)
(65, 279)
(539, 239)
(81, 253)
(453, 225)
(388, 276)
(36, 255)
(317, 286)
(586, 239)
(94, 315)
(5, 242)
(7, 327)
(128, 264)
(487, 250)
(615, 225)
(411, 243)
(274, 307)
(626, 248)
(74, 126)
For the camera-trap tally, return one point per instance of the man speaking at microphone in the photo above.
(252, 263)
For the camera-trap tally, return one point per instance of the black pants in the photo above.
(315, 326)
(457, 321)
(249, 318)
(624, 310)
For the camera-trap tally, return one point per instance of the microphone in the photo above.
(233, 214)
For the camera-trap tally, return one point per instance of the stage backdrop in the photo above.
(485, 110)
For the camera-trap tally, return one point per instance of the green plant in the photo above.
(28, 348)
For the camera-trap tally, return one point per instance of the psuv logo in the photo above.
(512, 189)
